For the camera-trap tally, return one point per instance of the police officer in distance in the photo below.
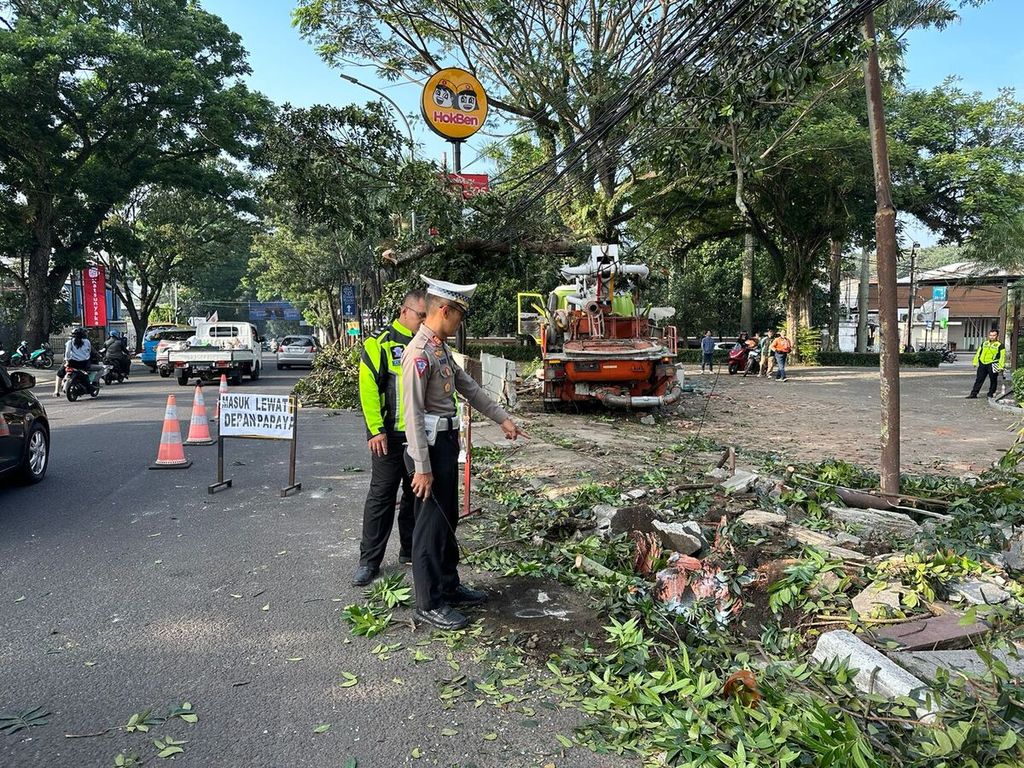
(431, 378)
(990, 360)
(380, 394)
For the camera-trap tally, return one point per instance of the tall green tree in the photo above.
(340, 193)
(99, 98)
(165, 236)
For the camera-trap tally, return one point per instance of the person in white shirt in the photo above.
(77, 354)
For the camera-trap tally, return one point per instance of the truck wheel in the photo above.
(235, 379)
(254, 374)
(183, 379)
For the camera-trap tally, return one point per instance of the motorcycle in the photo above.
(40, 358)
(78, 383)
(120, 368)
(738, 358)
(753, 365)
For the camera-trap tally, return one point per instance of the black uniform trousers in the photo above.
(387, 474)
(985, 370)
(435, 551)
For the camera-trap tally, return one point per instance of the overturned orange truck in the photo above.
(595, 344)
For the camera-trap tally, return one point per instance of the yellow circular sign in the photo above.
(454, 104)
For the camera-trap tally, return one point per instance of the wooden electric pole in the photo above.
(887, 252)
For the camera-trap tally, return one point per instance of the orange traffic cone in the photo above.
(171, 454)
(199, 427)
(221, 391)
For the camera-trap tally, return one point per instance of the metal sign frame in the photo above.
(292, 487)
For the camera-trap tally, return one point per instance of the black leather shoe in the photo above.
(404, 559)
(971, 397)
(444, 617)
(464, 595)
(364, 575)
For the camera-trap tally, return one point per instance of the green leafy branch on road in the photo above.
(30, 718)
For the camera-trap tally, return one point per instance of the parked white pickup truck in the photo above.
(229, 348)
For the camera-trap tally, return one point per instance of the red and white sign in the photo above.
(471, 183)
(94, 297)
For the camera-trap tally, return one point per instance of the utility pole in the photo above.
(862, 301)
(885, 239)
(912, 295)
(747, 291)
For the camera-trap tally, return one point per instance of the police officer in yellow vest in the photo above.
(380, 393)
(991, 360)
(432, 432)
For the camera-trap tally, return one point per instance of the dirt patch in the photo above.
(540, 616)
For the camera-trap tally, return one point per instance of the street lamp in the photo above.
(398, 109)
(913, 290)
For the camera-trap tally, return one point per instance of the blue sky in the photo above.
(985, 49)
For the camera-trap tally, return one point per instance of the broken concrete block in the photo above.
(875, 673)
(684, 538)
(845, 539)
(604, 514)
(978, 592)
(925, 664)
(820, 540)
(1013, 557)
(938, 633)
(878, 599)
(636, 493)
(877, 523)
(759, 518)
(648, 420)
(740, 482)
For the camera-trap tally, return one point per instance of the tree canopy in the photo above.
(101, 97)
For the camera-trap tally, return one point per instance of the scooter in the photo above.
(753, 365)
(738, 357)
(40, 358)
(78, 383)
(120, 368)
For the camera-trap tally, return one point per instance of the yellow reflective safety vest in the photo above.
(380, 380)
(991, 352)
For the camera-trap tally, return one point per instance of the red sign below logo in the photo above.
(471, 183)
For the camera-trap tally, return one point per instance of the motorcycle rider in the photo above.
(77, 354)
(116, 354)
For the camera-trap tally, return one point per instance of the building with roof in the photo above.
(957, 304)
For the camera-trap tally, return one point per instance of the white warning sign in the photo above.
(267, 416)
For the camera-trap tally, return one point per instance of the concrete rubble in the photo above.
(877, 524)
(978, 592)
(740, 482)
(926, 664)
(876, 674)
(759, 518)
(822, 541)
(878, 599)
(684, 538)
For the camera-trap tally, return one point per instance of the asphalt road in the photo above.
(124, 589)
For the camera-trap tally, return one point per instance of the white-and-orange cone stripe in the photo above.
(171, 454)
(199, 426)
(221, 391)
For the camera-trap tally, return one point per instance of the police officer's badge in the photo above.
(421, 365)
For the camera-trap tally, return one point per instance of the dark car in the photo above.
(24, 429)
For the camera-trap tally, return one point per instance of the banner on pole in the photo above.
(94, 296)
(260, 416)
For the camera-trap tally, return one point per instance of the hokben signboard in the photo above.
(454, 104)
(260, 416)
